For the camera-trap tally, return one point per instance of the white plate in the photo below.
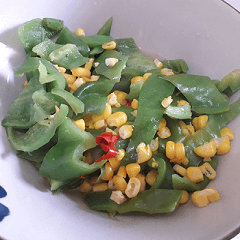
(204, 33)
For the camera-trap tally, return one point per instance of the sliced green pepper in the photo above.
(135, 89)
(177, 65)
(94, 41)
(106, 28)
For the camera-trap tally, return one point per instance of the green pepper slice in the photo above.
(106, 28)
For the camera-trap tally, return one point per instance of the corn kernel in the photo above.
(227, 132)
(180, 170)
(133, 187)
(110, 62)
(95, 179)
(202, 121)
(80, 32)
(207, 170)
(100, 187)
(120, 154)
(151, 177)
(100, 124)
(133, 169)
(108, 172)
(154, 144)
(60, 69)
(80, 124)
(96, 64)
(134, 104)
(167, 101)
(194, 174)
(144, 153)
(167, 72)
(109, 45)
(134, 113)
(86, 187)
(208, 149)
(25, 83)
(125, 131)
(162, 124)
(183, 125)
(222, 145)
(137, 79)
(184, 198)
(81, 72)
(170, 149)
(108, 130)
(185, 161)
(111, 185)
(114, 163)
(88, 65)
(121, 97)
(195, 123)
(212, 194)
(88, 158)
(158, 63)
(181, 103)
(190, 129)
(79, 82)
(164, 133)
(112, 99)
(87, 119)
(117, 119)
(142, 180)
(120, 183)
(118, 197)
(179, 151)
(122, 172)
(200, 199)
(146, 76)
(69, 78)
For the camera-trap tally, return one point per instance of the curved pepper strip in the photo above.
(64, 160)
(200, 92)
(150, 112)
(106, 28)
(135, 89)
(177, 65)
(184, 183)
(149, 201)
(39, 134)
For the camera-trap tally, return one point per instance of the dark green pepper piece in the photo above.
(106, 28)
(53, 24)
(95, 51)
(135, 89)
(94, 41)
(177, 65)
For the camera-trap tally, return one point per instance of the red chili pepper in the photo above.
(129, 103)
(107, 141)
(82, 177)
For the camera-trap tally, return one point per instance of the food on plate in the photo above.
(131, 133)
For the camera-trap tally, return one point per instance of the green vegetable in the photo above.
(106, 28)
(181, 112)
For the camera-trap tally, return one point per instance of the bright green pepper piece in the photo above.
(180, 112)
(135, 89)
(64, 160)
(177, 65)
(94, 41)
(39, 134)
(53, 24)
(106, 28)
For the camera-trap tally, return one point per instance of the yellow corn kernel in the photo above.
(111, 185)
(81, 72)
(195, 123)
(96, 64)
(93, 180)
(108, 130)
(133, 187)
(212, 194)
(184, 198)
(91, 125)
(202, 121)
(88, 65)
(137, 79)
(208, 149)
(69, 78)
(114, 163)
(100, 187)
(79, 82)
(158, 63)
(170, 149)
(86, 187)
(125, 131)
(222, 145)
(167, 101)
(175, 160)
(180, 170)
(154, 144)
(94, 78)
(122, 172)
(207, 170)
(133, 169)
(144, 153)
(190, 129)
(120, 183)
(181, 103)
(80, 32)
(120, 154)
(134, 113)
(96, 117)
(87, 119)
(60, 69)
(25, 83)
(80, 124)
(200, 199)
(110, 62)
(121, 97)
(88, 158)
(108, 172)
(194, 174)
(164, 133)
(117, 119)
(227, 132)
(112, 99)
(109, 45)
(162, 124)
(167, 72)
(208, 159)
(134, 104)
(185, 161)
(146, 76)
(100, 124)
(151, 177)
(107, 112)
(118, 197)
(179, 151)
(183, 125)
(142, 180)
